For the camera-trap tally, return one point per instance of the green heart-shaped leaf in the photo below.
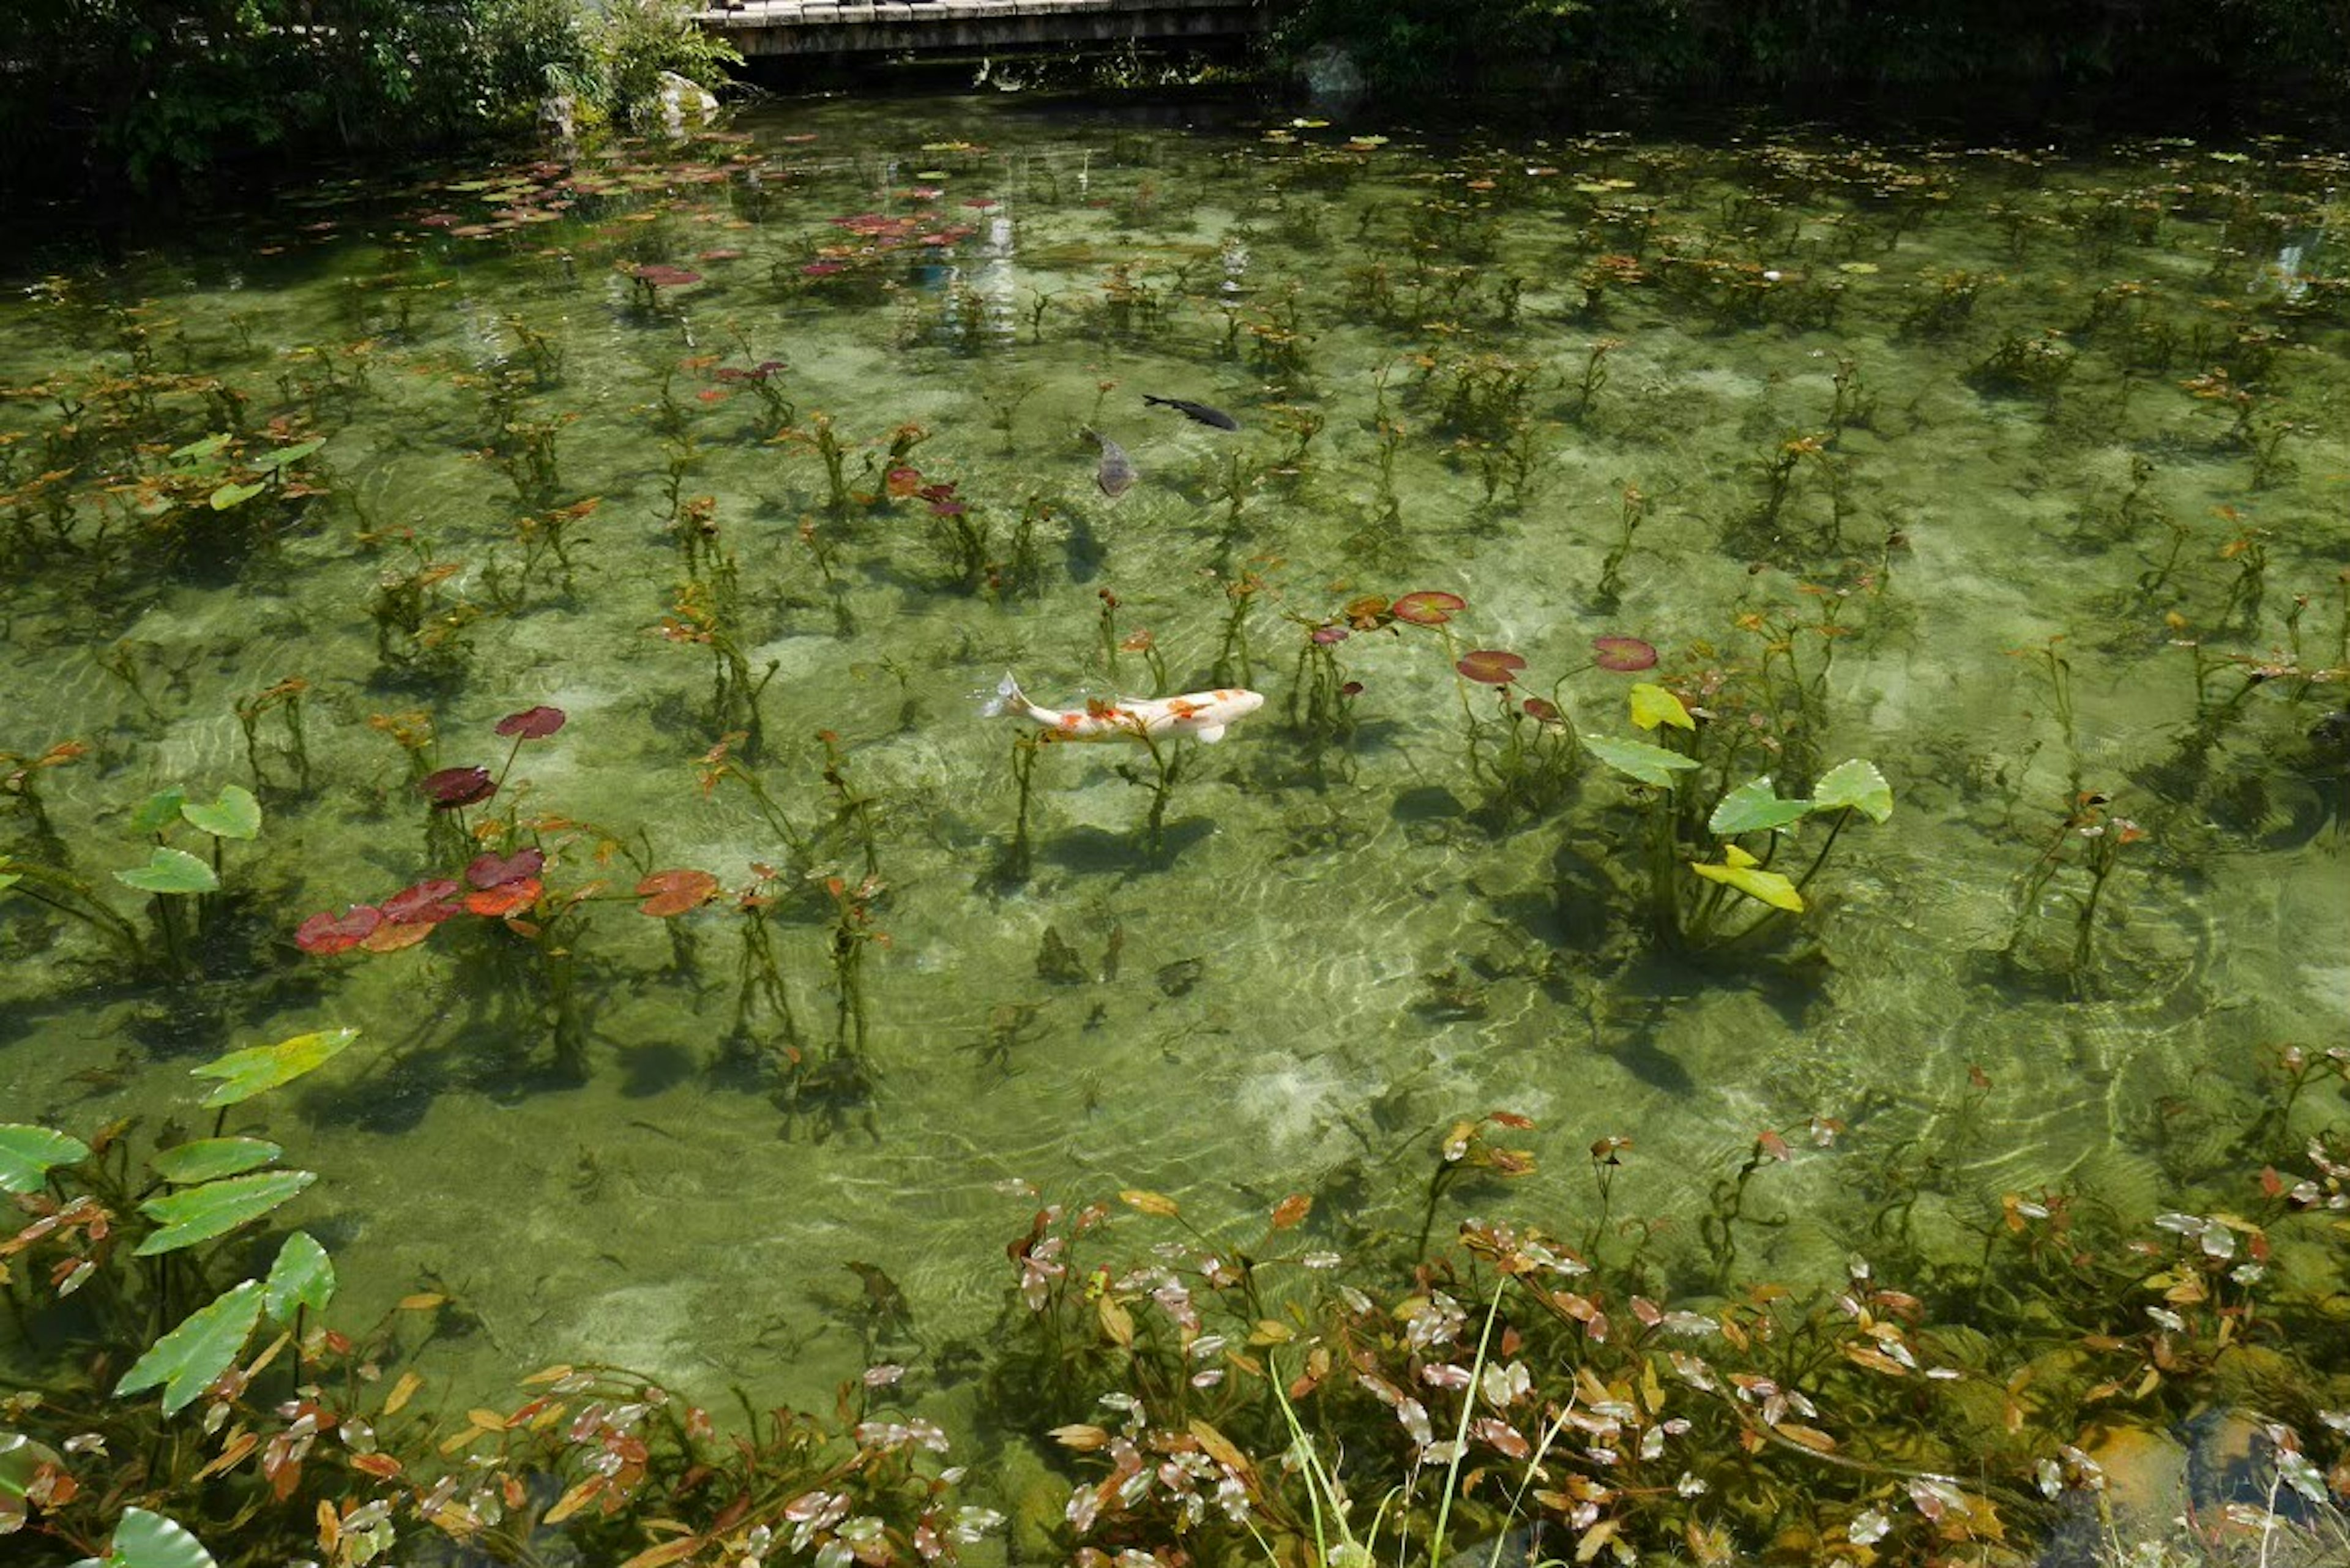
(246, 1073)
(169, 871)
(144, 1539)
(1653, 705)
(1768, 886)
(235, 814)
(303, 1276)
(272, 460)
(200, 1213)
(1858, 785)
(27, 1152)
(1751, 807)
(1649, 764)
(185, 1361)
(209, 1160)
(157, 812)
(197, 450)
(229, 496)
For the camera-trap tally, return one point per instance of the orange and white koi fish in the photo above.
(1203, 715)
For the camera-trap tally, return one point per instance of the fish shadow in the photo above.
(1098, 849)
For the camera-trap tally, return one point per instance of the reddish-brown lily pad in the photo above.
(502, 871)
(1541, 711)
(1428, 606)
(390, 938)
(661, 275)
(505, 898)
(452, 787)
(423, 903)
(1623, 654)
(668, 893)
(324, 933)
(1491, 666)
(532, 724)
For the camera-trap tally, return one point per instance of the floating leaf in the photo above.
(229, 496)
(1291, 1209)
(1427, 606)
(145, 1539)
(169, 871)
(204, 448)
(1752, 807)
(278, 457)
(501, 871)
(1653, 705)
(1649, 764)
(157, 812)
(668, 893)
(1858, 785)
(428, 903)
(256, 1068)
(200, 1213)
(27, 1152)
(235, 814)
(1146, 1202)
(1739, 870)
(451, 787)
(532, 724)
(303, 1276)
(209, 1160)
(323, 933)
(1625, 654)
(1490, 666)
(185, 1361)
(391, 939)
(508, 898)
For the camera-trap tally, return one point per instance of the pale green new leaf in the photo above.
(1649, 764)
(272, 460)
(144, 1539)
(209, 1160)
(1858, 785)
(169, 871)
(246, 1073)
(1752, 807)
(157, 811)
(1653, 705)
(229, 496)
(27, 1152)
(1768, 886)
(200, 1213)
(303, 1276)
(235, 814)
(203, 448)
(185, 1361)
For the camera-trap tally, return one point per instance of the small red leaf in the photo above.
(452, 787)
(668, 893)
(532, 724)
(504, 898)
(497, 870)
(337, 933)
(423, 903)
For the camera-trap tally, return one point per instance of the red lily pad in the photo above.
(668, 893)
(502, 871)
(1624, 654)
(661, 275)
(390, 938)
(1541, 711)
(323, 933)
(452, 787)
(1428, 606)
(423, 903)
(532, 724)
(1491, 666)
(505, 898)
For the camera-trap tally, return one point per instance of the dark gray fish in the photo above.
(1199, 413)
(1116, 473)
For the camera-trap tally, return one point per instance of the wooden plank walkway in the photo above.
(930, 27)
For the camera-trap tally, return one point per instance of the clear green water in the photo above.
(1270, 1026)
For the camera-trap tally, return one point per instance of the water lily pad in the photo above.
(270, 461)
(668, 893)
(185, 1362)
(209, 1160)
(28, 1153)
(1754, 808)
(1653, 705)
(169, 871)
(229, 496)
(200, 1213)
(235, 814)
(145, 1539)
(1741, 871)
(246, 1073)
(1649, 764)
(303, 1276)
(532, 724)
(1858, 785)
(157, 812)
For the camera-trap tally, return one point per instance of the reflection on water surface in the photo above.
(763, 459)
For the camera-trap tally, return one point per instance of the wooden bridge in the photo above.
(852, 27)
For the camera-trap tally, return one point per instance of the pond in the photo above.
(1987, 503)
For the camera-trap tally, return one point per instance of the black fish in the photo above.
(1201, 412)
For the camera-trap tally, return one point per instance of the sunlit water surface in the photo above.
(1341, 945)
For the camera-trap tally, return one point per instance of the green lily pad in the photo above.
(235, 814)
(229, 496)
(169, 871)
(279, 457)
(209, 1160)
(1649, 764)
(200, 1213)
(27, 1152)
(1768, 886)
(145, 1539)
(1653, 705)
(20, 1460)
(303, 1276)
(157, 812)
(185, 1362)
(1752, 807)
(197, 450)
(246, 1073)
(1858, 785)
